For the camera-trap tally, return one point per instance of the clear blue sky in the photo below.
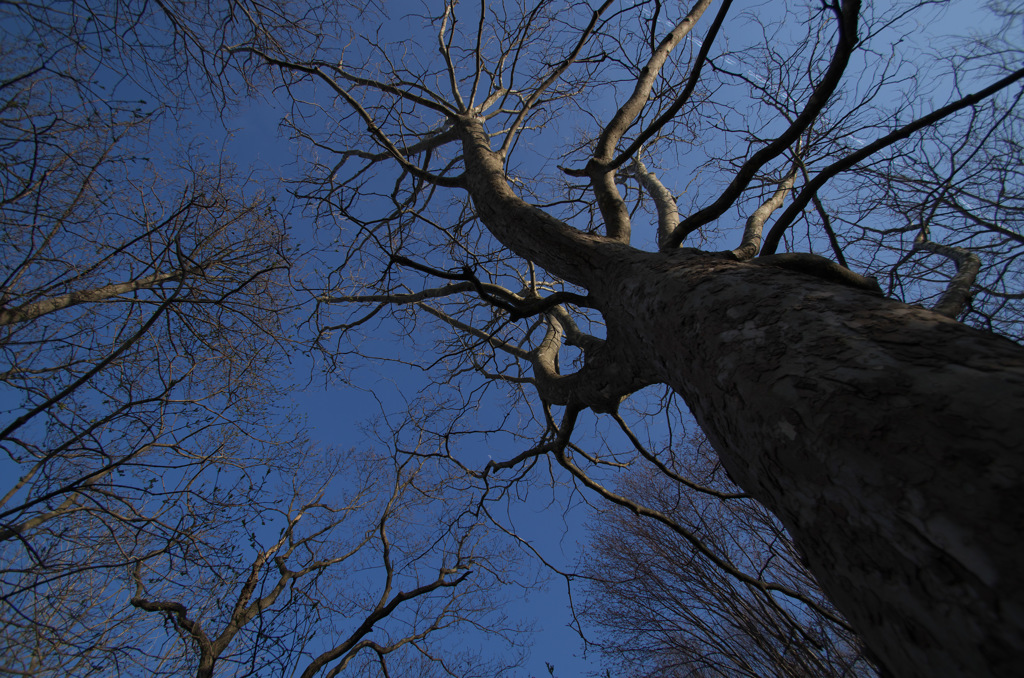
(336, 412)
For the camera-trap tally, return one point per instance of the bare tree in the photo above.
(141, 308)
(143, 336)
(483, 186)
(663, 610)
(353, 576)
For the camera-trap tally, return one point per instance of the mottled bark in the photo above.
(526, 230)
(886, 437)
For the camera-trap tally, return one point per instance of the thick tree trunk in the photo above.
(887, 438)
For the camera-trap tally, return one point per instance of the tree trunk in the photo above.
(886, 437)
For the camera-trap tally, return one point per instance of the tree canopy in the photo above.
(572, 232)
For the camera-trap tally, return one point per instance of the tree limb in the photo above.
(847, 29)
(958, 293)
(812, 187)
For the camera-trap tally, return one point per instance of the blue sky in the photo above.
(336, 412)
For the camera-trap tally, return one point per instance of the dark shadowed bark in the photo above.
(885, 437)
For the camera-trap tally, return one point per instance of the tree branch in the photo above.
(600, 168)
(555, 74)
(664, 201)
(371, 126)
(751, 242)
(812, 187)
(847, 29)
(958, 293)
(528, 231)
(697, 543)
(36, 309)
(688, 88)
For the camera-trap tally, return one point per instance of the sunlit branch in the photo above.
(529, 232)
(664, 202)
(493, 97)
(600, 168)
(170, 222)
(958, 292)
(545, 363)
(77, 486)
(629, 111)
(573, 335)
(688, 88)
(751, 242)
(12, 530)
(96, 369)
(600, 384)
(33, 310)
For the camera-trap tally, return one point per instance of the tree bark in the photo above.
(886, 437)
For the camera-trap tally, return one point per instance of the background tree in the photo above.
(663, 610)
(141, 308)
(371, 561)
(472, 163)
(144, 335)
